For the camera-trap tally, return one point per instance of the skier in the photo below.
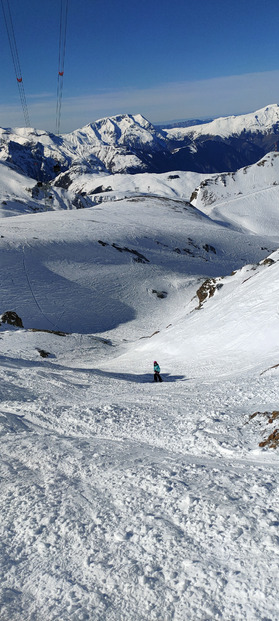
(157, 376)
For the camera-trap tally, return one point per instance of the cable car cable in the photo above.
(61, 60)
(14, 51)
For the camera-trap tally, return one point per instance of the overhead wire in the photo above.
(14, 51)
(15, 58)
(61, 60)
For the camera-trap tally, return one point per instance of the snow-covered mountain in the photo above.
(124, 143)
(264, 121)
(242, 197)
(127, 143)
(122, 498)
(33, 152)
(227, 143)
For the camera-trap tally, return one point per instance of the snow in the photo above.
(262, 120)
(125, 144)
(14, 195)
(123, 499)
(58, 261)
(248, 198)
(176, 185)
(123, 502)
(115, 144)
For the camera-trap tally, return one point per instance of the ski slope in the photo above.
(123, 499)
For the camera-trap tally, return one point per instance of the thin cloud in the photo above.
(213, 97)
(220, 96)
(45, 95)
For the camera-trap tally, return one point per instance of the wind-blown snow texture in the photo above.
(122, 499)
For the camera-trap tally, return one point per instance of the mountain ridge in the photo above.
(130, 143)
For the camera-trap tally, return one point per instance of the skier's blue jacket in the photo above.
(156, 367)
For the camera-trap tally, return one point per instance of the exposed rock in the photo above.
(150, 337)
(57, 332)
(11, 318)
(63, 181)
(43, 353)
(207, 290)
(138, 258)
(100, 189)
(275, 366)
(209, 248)
(272, 440)
(160, 294)
(267, 262)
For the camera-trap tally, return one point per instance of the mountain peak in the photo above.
(119, 123)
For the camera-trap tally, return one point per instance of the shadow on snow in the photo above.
(142, 378)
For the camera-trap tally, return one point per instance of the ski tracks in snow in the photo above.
(129, 500)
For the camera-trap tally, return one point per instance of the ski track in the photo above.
(164, 508)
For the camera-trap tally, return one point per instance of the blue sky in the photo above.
(165, 59)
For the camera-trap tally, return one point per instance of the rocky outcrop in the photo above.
(12, 319)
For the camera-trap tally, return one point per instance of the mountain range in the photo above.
(127, 143)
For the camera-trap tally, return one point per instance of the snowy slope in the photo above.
(263, 121)
(34, 152)
(109, 262)
(234, 319)
(248, 198)
(122, 499)
(20, 194)
(94, 189)
(15, 192)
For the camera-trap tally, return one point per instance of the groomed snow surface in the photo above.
(122, 499)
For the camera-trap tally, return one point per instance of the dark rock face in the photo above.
(11, 318)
